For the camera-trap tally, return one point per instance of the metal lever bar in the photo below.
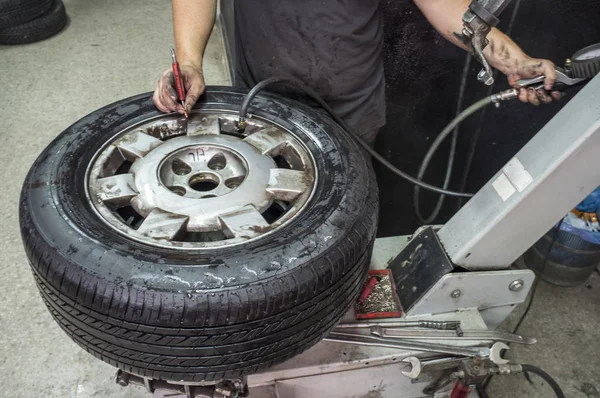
(441, 325)
(562, 81)
(449, 335)
(494, 353)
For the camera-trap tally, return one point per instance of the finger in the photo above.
(190, 99)
(557, 95)
(167, 100)
(513, 80)
(549, 75)
(523, 95)
(167, 84)
(159, 99)
(166, 94)
(171, 92)
(195, 91)
(157, 102)
(543, 96)
(532, 97)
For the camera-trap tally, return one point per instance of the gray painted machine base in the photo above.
(338, 370)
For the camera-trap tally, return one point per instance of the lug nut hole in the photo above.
(178, 190)
(217, 162)
(234, 182)
(180, 168)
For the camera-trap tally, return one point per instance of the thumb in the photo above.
(196, 89)
(513, 80)
(190, 100)
(549, 75)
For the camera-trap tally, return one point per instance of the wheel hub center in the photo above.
(203, 171)
(202, 177)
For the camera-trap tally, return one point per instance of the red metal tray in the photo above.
(380, 315)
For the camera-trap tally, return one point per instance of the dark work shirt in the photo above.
(332, 45)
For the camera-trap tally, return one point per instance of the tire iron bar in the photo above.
(440, 325)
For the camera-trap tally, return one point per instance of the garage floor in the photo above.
(115, 49)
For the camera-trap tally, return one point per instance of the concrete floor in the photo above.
(115, 49)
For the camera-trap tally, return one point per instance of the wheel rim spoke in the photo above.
(136, 145)
(269, 141)
(229, 173)
(117, 190)
(286, 184)
(163, 225)
(204, 125)
(244, 223)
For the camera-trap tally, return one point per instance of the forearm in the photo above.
(446, 17)
(193, 21)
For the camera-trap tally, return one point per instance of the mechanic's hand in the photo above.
(531, 67)
(165, 95)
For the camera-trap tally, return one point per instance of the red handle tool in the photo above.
(179, 82)
(460, 390)
(368, 289)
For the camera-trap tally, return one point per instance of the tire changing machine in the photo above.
(461, 271)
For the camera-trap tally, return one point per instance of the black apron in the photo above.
(334, 46)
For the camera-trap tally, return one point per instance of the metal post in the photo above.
(535, 189)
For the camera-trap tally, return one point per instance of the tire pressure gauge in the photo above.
(585, 63)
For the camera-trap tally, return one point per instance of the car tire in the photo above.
(195, 313)
(17, 12)
(46, 25)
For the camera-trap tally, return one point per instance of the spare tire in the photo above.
(47, 25)
(16, 12)
(181, 250)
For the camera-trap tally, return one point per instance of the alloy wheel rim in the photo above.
(193, 184)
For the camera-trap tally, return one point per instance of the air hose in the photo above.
(313, 94)
(451, 152)
(432, 150)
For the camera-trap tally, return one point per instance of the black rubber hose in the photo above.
(313, 94)
(551, 382)
(440, 138)
(451, 155)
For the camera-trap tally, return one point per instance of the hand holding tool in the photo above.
(179, 82)
(563, 80)
(583, 65)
